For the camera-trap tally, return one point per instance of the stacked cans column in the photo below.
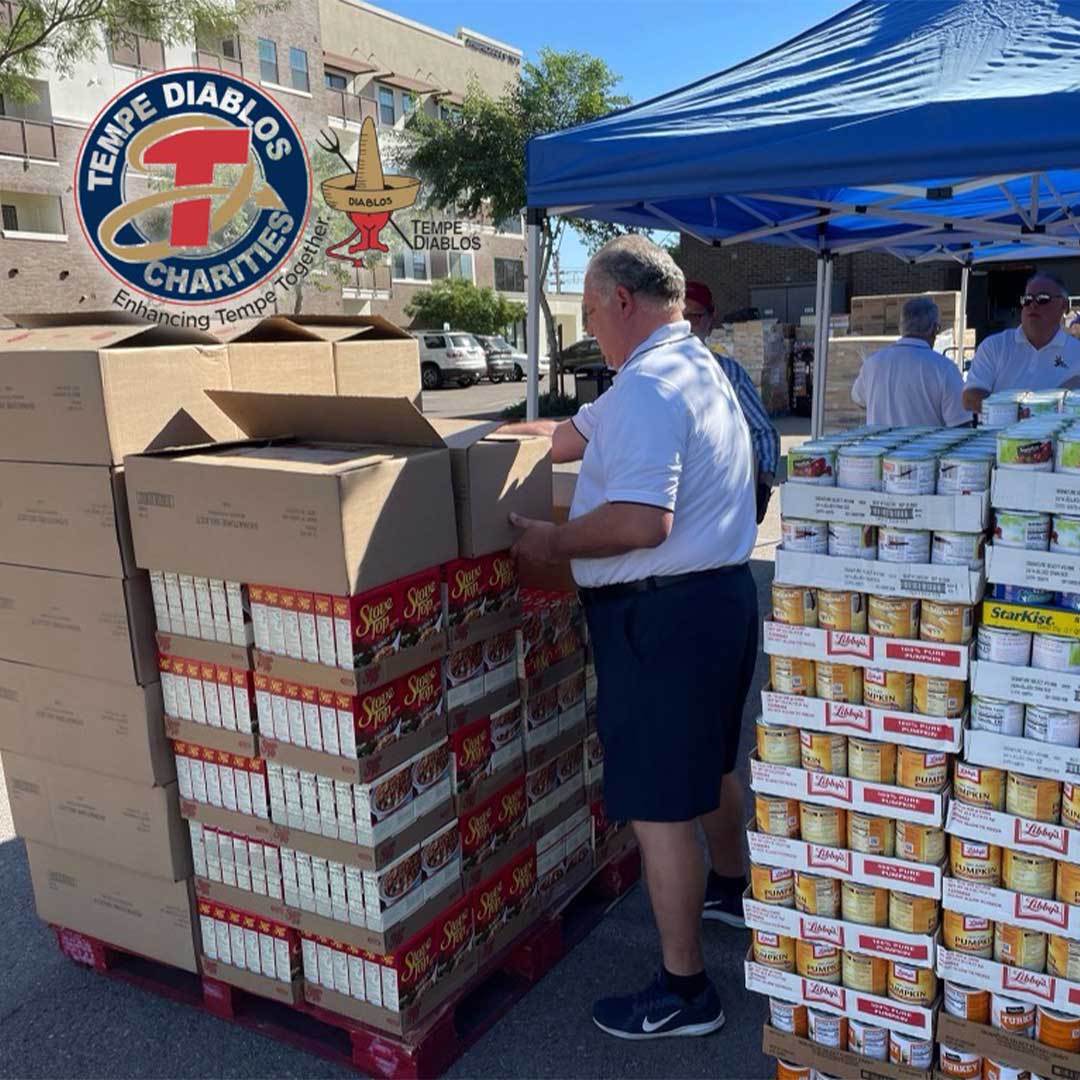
(1011, 944)
(869, 649)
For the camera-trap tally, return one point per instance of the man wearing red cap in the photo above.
(698, 311)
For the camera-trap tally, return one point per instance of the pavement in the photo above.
(60, 1020)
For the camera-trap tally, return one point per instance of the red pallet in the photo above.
(428, 1052)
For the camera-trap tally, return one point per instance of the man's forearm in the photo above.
(531, 427)
(972, 398)
(612, 529)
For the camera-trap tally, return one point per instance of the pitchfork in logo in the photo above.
(367, 195)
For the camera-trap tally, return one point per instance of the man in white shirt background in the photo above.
(1037, 355)
(660, 531)
(909, 384)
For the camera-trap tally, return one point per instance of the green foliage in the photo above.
(553, 406)
(50, 36)
(464, 306)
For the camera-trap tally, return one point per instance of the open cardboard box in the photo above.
(1045, 492)
(1027, 756)
(1035, 987)
(261, 985)
(1016, 909)
(831, 1061)
(1006, 830)
(944, 513)
(1012, 1050)
(1050, 570)
(206, 652)
(231, 742)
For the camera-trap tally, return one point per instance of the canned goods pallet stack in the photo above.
(869, 650)
(1010, 951)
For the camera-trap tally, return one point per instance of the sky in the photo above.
(654, 47)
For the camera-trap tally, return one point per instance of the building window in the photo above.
(449, 115)
(11, 217)
(410, 266)
(335, 81)
(299, 70)
(511, 225)
(509, 275)
(387, 113)
(32, 214)
(408, 103)
(461, 265)
(137, 51)
(268, 70)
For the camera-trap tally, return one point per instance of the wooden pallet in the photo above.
(442, 1039)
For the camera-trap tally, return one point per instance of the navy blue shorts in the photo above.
(673, 669)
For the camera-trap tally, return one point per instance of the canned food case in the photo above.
(863, 721)
(958, 584)
(1032, 686)
(886, 800)
(865, 650)
(914, 1020)
(917, 879)
(1026, 1055)
(1006, 830)
(945, 513)
(829, 1061)
(1035, 987)
(1027, 756)
(1000, 905)
(1050, 570)
(915, 949)
(1047, 493)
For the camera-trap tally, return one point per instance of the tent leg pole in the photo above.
(961, 326)
(815, 408)
(826, 298)
(532, 315)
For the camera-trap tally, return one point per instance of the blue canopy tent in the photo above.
(932, 129)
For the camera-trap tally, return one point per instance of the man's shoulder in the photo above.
(1001, 340)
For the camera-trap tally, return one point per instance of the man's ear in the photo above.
(625, 298)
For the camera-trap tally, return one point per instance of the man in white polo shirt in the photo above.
(909, 384)
(660, 531)
(1037, 355)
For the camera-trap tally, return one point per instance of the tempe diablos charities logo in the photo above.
(189, 236)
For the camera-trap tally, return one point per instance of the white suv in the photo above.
(449, 356)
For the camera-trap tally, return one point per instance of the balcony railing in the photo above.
(213, 61)
(370, 283)
(8, 12)
(134, 50)
(27, 138)
(350, 107)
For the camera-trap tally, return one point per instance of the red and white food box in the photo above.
(440, 859)
(571, 697)
(1027, 756)
(391, 802)
(1036, 987)
(541, 717)
(1006, 830)
(915, 949)
(500, 660)
(918, 879)
(866, 650)
(1016, 909)
(913, 1020)
(554, 782)
(395, 892)
(924, 807)
(476, 587)
(465, 675)
(861, 721)
(472, 749)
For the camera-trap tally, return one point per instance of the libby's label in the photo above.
(847, 643)
(841, 715)
(838, 787)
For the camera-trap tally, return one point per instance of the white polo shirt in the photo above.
(669, 433)
(908, 384)
(1008, 361)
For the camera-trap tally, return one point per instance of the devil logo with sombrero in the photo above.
(367, 196)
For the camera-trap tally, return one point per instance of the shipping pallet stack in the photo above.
(869, 648)
(1011, 955)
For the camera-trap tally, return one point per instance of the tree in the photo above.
(464, 306)
(476, 161)
(53, 35)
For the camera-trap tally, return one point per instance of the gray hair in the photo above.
(920, 317)
(637, 264)
(1049, 275)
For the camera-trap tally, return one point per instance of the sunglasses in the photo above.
(1042, 299)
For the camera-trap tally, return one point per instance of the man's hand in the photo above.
(537, 543)
(764, 494)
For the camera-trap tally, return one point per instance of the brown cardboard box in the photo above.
(119, 822)
(105, 727)
(833, 1061)
(1017, 1052)
(84, 390)
(95, 626)
(553, 578)
(357, 356)
(495, 475)
(336, 519)
(65, 517)
(146, 915)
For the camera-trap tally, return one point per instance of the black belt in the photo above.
(651, 584)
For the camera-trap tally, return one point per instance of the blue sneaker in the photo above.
(656, 1013)
(723, 904)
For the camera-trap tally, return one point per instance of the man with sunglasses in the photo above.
(1037, 355)
(698, 311)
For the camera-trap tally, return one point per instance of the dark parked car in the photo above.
(504, 361)
(585, 351)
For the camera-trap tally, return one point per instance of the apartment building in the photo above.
(330, 64)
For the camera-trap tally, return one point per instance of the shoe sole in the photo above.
(736, 921)
(689, 1030)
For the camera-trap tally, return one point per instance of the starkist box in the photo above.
(353, 355)
(88, 389)
(495, 475)
(358, 496)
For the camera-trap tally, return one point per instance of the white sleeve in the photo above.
(858, 389)
(585, 421)
(982, 372)
(953, 413)
(644, 442)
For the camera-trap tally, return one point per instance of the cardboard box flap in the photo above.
(274, 328)
(356, 420)
(83, 337)
(461, 434)
(352, 327)
(34, 320)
